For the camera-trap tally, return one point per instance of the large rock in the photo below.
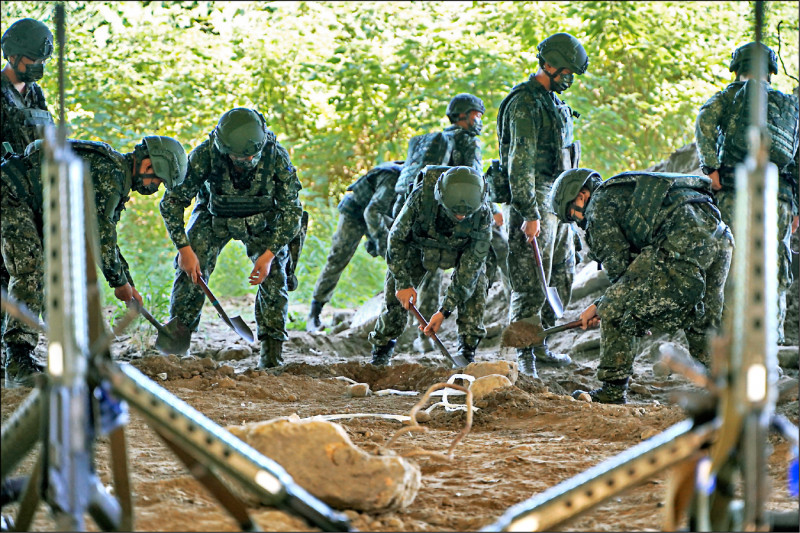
(323, 460)
(365, 317)
(508, 369)
(589, 280)
(486, 384)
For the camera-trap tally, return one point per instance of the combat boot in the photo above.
(548, 358)
(382, 354)
(313, 323)
(614, 391)
(424, 344)
(527, 362)
(271, 353)
(467, 347)
(21, 368)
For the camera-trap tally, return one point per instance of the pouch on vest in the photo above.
(428, 149)
(497, 181)
(571, 155)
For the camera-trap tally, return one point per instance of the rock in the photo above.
(509, 369)
(227, 383)
(649, 432)
(584, 397)
(641, 390)
(423, 416)
(660, 370)
(486, 384)
(342, 316)
(358, 390)
(162, 376)
(323, 460)
(234, 353)
(787, 390)
(788, 356)
(364, 319)
(589, 280)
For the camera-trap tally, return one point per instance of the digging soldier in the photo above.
(535, 134)
(367, 210)
(663, 244)
(445, 223)
(154, 161)
(247, 190)
(721, 132)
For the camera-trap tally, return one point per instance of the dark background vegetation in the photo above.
(344, 85)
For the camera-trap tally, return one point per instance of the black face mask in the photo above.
(561, 85)
(141, 188)
(33, 72)
(476, 128)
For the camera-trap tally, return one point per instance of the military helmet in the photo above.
(168, 158)
(241, 132)
(460, 190)
(566, 188)
(28, 37)
(742, 58)
(464, 103)
(562, 50)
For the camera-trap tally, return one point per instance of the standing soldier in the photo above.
(721, 132)
(666, 251)
(27, 45)
(246, 189)
(445, 223)
(154, 161)
(367, 211)
(535, 133)
(457, 145)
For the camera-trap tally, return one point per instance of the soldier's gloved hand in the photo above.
(498, 219)
(188, 262)
(406, 296)
(715, 183)
(433, 324)
(589, 317)
(531, 229)
(371, 247)
(126, 292)
(262, 267)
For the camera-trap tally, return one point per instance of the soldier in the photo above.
(154, 161)
(246, 189)
(367, 211)
(457, 145)
(446, 223)
(721, 132)
(535, 134)
(663, 244)
(27, 45)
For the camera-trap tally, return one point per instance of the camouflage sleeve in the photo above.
(376, 214)
(399, 249)
(708, 120)
(477, 155)
(606, 239)
(109, 204)
(175, 202)
(523, 123)
(287, 201)
(470, 265)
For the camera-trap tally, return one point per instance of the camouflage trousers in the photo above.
(344, 244)
(392, 319)
(557, 249)
(678, 284)
(207, 239)
(726, 201)
(23, 255)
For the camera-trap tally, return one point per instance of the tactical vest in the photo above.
(655, 196)
(364, 187)
(782, 123)
(25, 121)
(438, 252)
(225, 200)
(428, 149)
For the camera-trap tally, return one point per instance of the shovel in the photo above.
(173, 337)
(236, 323)
(550, 292)
(524, 334)
(458, 360)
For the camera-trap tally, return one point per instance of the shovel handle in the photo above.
(214, 301)
(562, 327)
(145, 313)
(425, 325)
(540, 268)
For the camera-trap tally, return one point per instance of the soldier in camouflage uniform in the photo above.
(27, 45)
(366, 211)
(663, 244)
(247, 190)
(721, 132)
(535, 134)
(154, 161)
(446, 223)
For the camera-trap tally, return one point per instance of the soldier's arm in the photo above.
(477, 155)
(705, 130)
(378, 208)
(399, 249)
(109, 206)
(175, 201)
(523, 130)
(469, 267)
(607, 242)
(287, 201)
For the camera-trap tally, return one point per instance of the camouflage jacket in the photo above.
(532, 132)
(273, 184)
(371, 197)
(20, 115)
(111, 177)
(463, 246)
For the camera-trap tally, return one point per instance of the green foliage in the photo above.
(346, 84)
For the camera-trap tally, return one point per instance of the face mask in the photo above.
(141, 188)
(244, 163)
(564, 83)
(476, 127)
(33, 72)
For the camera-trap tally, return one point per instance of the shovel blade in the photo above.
(522, 334)
(174, 338)
(239, 326)
(555, 302)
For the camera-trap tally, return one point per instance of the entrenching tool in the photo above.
(173, 337)
(550, 292)
(524, 334)
(458, 360)
(236, 323)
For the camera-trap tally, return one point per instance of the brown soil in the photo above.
(524, 439)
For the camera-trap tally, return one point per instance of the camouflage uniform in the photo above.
(270, 194)
(22, 237)
(671, 279)
(366, 211)
(713, 123)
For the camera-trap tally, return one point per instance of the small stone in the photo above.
(788, 356)
(234, 353)
(487, 384)
(226, 370)
(423, 416)
(358, 390)
(509, 369)
(641, 390)
(227, 383)
(162, 376)
(584, 397)
(649, 432)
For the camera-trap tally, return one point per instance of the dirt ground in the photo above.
(524, 439)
